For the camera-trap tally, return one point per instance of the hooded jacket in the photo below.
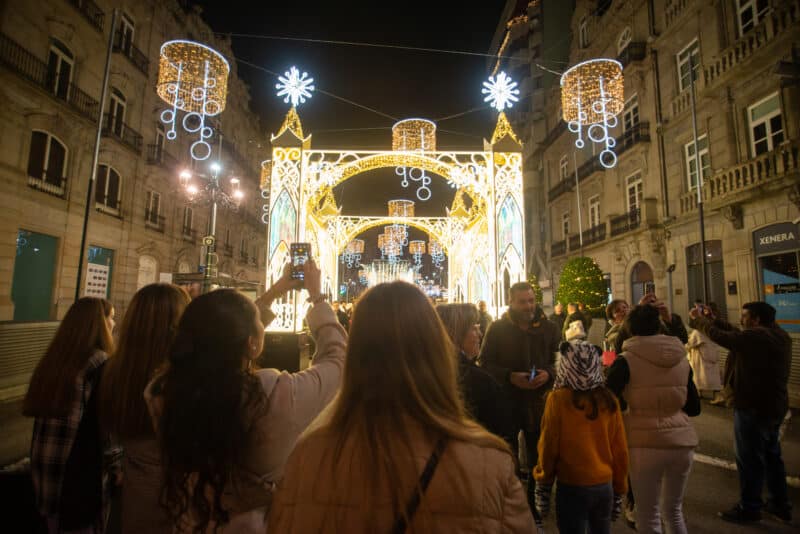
(656, 393)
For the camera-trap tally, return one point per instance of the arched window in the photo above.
(107, 189)
(641, 281)
(624, 39)
(148, 268)
(60, 62)
(47, 163)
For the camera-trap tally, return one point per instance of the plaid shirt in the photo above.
(53, 438)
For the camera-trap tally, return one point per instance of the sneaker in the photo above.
(630, 516)
(783, 513)
(737, 514)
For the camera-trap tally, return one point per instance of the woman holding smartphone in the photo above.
(224, 429)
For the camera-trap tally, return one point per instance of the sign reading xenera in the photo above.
(776, 238)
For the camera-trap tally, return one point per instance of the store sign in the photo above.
(779, 237)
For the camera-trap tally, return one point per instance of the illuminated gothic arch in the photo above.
(485, 243)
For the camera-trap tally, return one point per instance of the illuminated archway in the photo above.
(482, 242)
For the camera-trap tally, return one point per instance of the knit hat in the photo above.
(581, 366)
(575, 330)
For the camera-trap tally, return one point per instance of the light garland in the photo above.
(414, 135)
(193, 78)
(592, 95)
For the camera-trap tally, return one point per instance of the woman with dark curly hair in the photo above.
(226, 430)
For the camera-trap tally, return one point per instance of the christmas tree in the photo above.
(533, 281)
(582, 281)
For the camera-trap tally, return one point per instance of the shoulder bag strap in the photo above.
(401, 524)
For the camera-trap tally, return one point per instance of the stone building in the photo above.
(141, 225)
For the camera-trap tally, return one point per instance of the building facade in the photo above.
(141, 224)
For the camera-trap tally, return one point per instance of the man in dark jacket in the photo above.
(575, 314)
(558, 316)
(759, 362)
(485, 319)
(522, 341)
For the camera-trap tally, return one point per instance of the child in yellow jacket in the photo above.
(582, 443)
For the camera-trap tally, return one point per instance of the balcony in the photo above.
(189, 234)
(593, 235)
(154, 221)
(52, 186)
(674, 10)
(122, 132)
(635, 51)
(126, 48)
(761, 172)
(555, 133)
(26, 65)
(558, 248)
(156, 155)
(626, 222)
(559, 189)
(639, 133)
(90, 11)
(227, 250)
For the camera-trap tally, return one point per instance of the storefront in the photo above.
(776, 248)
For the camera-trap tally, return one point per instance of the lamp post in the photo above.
(212, 192)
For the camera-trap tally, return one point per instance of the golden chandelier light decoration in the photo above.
(414, 135)
(192, 78)
(592, 95)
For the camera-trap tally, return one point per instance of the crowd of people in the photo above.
(411, 417)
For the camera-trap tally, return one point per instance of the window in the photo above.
(751, 12)
(188, 221)
(152, 207)
(125, 34)
(160, 141)
(565, 224)
(32, 283)
(243, 248)
(766, 124)
(106, 192)
(630, 115)
(691, 51)
(47, 160)
(116, 112)
(59, 69)
(583, 35)
(594, 211)
(564, 167)
(227, 237)
(624, 39)
(691, 161)
(714, 272)
(634, 191)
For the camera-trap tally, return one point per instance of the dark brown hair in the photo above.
(594, 400)
(145, 337)
(82, 332)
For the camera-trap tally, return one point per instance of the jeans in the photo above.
(532, 454)
(758, 453)
(579, 507)
(659, 477)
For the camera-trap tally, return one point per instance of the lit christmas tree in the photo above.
(582, 281)
(532, 280)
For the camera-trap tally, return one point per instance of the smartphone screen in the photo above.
(299, 253)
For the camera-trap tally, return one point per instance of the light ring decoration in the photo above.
(414, 135)
(193, 78)
(294, 86)
(592, 95)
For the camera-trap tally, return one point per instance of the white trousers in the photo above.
(658, 478)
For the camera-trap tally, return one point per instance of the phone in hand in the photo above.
(299, 253)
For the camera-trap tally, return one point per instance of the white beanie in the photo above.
(575, 330)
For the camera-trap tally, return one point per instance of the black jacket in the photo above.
(485, 400)
(508, 348)
(757, 367)
(558, 319)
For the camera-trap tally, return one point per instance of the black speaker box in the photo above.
(281, 351)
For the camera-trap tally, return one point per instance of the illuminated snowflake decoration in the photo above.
(500, 91)
(294, 86)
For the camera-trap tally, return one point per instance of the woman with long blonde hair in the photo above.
(396, 450)
(145, 337)
(66, 446)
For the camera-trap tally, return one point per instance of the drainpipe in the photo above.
(651, 21)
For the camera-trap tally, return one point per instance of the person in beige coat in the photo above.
(396, 451)
(653, 379)
(703, 355)
(224, 430)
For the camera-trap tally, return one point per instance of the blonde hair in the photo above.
(458, 319)
(145, 336)
(400, 368)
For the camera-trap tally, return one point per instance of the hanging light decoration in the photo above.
(414, 135)
(390, 248)
(352, 253)
(417, 249)
(436, 251)
(400, 208)
(193, 78)
(592, 95)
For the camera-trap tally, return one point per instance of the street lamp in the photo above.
(210, 190)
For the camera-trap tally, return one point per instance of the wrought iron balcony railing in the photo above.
(559, 248)
(626, 222)
(90, 11)
(639, 133)
(128, 49)
(121, 131)
(635, 51)
(156, 155)
(593, 235)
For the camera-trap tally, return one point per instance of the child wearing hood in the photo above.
(582, 443)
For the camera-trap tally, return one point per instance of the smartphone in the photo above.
(299, 253)
(533, 374)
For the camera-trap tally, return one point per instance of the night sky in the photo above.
(398, 83)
